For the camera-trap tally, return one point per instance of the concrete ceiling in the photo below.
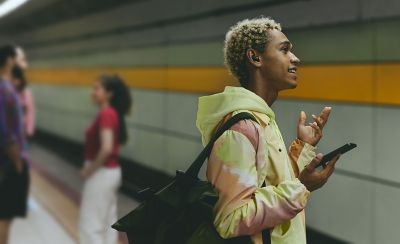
(39, 13)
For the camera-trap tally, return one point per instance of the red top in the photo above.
(107, 118)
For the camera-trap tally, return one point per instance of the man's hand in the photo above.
(13, 152)
(19, 166)
(314, 179)
(312, 133)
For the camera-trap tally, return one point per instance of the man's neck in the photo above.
(263, 90)
(5, 75)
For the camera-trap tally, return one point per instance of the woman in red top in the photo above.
(101, 170)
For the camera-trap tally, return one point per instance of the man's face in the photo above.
(21, 58)
(10, 62)
(279, 64)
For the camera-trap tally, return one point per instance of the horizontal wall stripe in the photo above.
(355, 45)
(364, 42)
(358, 43)
(206, 53)
(135, 125)
(368, 178)
(195, 80)
(388, 85)
(364, 83)
(349, 83)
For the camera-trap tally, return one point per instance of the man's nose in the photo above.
(294, 60)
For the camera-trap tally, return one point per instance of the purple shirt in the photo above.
(11, 123)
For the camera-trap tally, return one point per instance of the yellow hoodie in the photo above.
(245, 157)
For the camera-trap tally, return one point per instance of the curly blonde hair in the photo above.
(246, 34)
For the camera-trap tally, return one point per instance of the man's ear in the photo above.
(253, 57)
(10, 61)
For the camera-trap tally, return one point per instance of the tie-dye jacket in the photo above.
(242, 159)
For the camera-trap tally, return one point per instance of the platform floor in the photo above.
(40, 227)
(54, 202)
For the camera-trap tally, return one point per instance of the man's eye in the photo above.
(285, 49)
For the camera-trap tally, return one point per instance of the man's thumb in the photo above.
(303, 117)
(314, 163)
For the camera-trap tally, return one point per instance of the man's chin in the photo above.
(290, 85)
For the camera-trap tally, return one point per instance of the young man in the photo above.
(263, 189)
(14, 177)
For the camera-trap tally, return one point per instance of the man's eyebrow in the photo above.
(285, 43)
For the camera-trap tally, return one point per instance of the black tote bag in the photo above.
(182, 211)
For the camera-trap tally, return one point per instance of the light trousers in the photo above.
(99, 207)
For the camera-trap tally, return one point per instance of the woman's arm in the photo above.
(106, 142)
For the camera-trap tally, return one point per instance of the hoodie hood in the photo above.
(212, 109)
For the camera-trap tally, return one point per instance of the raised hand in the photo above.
(312, 133)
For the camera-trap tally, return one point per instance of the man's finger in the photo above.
(302, 118)
(330, 168)
(314, 163)
(318, 120)
(325, 114)
(316, 128)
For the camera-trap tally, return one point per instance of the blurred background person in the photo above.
(26, 100)
(101, 170)
(15, 179)
(25, 94)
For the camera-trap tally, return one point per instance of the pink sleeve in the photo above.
(30, 115)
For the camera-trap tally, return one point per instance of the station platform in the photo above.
(54, 202)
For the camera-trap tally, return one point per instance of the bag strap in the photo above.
(194, 169)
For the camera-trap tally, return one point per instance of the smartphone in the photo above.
(341, 150)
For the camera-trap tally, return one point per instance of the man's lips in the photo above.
(292, 70)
